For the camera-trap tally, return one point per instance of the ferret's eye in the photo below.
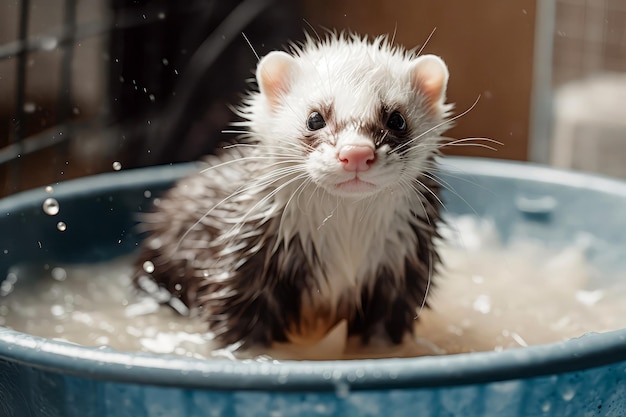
(315, 121)
(396, 122)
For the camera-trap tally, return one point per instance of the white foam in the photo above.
(487, 297)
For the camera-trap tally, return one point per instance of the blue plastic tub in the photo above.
(580, 377)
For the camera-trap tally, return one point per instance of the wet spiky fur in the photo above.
(264, 244)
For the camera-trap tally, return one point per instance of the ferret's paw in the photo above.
(330, 347)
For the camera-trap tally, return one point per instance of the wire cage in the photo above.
(86, 83)
(589, 38)
(589, 63)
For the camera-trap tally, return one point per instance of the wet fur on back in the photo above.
(280, 237)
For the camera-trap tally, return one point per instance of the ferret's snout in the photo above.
(356, 158)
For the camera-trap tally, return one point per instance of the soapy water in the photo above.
(488, 296)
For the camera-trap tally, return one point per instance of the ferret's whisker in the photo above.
(421, 184)
(437, 126)
(238, 191)
(448, 187)
(435, 170)
(382, 139)
(432, 32)
(265, 150)
(493, 141)
(370, 201)
(285, 159)
(428, 282)
(410, 188)
(297, 191)
(251, 47)
(236, 132)
(471, 142)
(237, 227)
(259, 145)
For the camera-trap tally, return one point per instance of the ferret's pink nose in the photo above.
(356, 157)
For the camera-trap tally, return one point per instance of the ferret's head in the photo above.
(356, 116)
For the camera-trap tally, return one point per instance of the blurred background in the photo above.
(89, 86)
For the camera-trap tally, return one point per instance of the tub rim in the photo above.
(585, 352)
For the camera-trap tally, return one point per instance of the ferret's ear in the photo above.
(274, 75)
(429, 76)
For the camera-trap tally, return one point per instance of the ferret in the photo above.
(326, 208)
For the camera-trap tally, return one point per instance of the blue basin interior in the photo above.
(581, 377)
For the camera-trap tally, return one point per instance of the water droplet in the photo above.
(57, 310)
(76, 110)
(147, 193)
(569, 394)
(6, 288)
(161, 15)
(155, 243)
(165, 62)
(49, 189)
(482, 304)
(589, 298)
(103, 341)
(117, 165)
(30, 107)
(61, 226)
(148, 267)
(520, 341)
(49, 43)
(478, 279)
(58, 274)
(11, 278)
(546, 407)
(51, 207)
